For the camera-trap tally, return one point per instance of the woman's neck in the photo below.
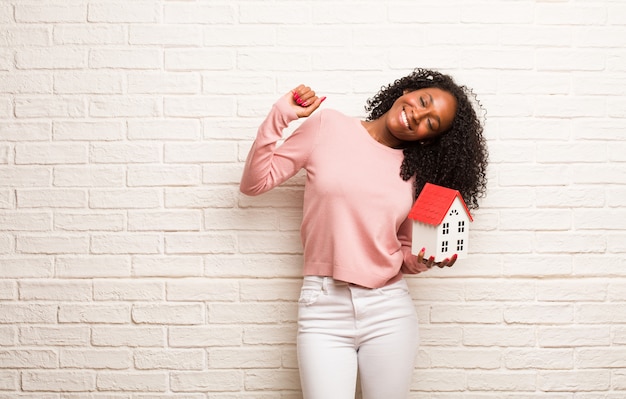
(379, 132)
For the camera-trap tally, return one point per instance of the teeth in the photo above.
(405, 120)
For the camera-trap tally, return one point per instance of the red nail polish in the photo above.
(423, 250)
(295, 95)
(322, 100)
(431, 258)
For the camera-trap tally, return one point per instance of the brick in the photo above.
(54, 336)
(115, 107)
(88, 176)
(75, 130)
(537, 220)
(558, 14)
(125, 59)
(539, 314)
(177, 359)
(203, 290)
(464, 359)
(51, 58)
(50, 107)
(579, 337)
(7, 199)
(200, 198)
(168, 129)
(132, 336)
(170, 175)
(200, 153)
(501, 381)
(95, 34)
(8, 290)
(440, 381)
(236, 219)
(125, 243)
(194, 13)
(25, 221)
(25, 83)
(132, 381)
(51, 244)
(430, 13)
(257, 242)
(27, 313)
(167, 266)
(573, 380)
(179, 314)
(542, 359)
(128, 290)
(273, 379)
(251, 312)
(95, 359)
(8, 381)
(244, 358)
(270, 290)
(199, 243)
(58, 381)
(205, 336)
(51, 198)
(25, 131)
(199, 59)
(89, 221)
(494, 335)
(165, 35)
(87, 83)
(171, 83)
(261, 35)
(50, 13)
(27, 267)
(55, 290)
(207, 381)
(198, 106)
(50, 154)
(124, 153)
(75, 313)
(111, 12)
(93, 266)
(130, 198)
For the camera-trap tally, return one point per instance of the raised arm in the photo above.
(269, 165)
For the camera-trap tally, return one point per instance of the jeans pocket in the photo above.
(311, 291)
(397, 289)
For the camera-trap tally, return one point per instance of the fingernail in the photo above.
(431, 258)
(304, 104)
(299, 100)
(295, 95)
(423, 250)
(454, 256)
(322, 100)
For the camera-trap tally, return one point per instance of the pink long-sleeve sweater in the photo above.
(354, 225)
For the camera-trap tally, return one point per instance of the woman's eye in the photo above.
(422, 101)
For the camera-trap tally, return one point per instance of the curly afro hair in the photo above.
(457, 158)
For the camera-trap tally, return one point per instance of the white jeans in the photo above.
(343, 328)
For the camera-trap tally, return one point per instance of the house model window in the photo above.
(440, 223)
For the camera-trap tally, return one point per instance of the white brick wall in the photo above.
(131, 267)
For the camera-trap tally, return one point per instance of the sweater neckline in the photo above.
(375, 142)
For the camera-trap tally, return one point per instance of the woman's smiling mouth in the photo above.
(405, 119)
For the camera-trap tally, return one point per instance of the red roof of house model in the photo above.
(433, 204)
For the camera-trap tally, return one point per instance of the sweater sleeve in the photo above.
(269, 165)
(405, 236)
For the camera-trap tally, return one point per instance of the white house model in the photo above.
(440, 223)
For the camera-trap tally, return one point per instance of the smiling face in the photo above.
(421, 114)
